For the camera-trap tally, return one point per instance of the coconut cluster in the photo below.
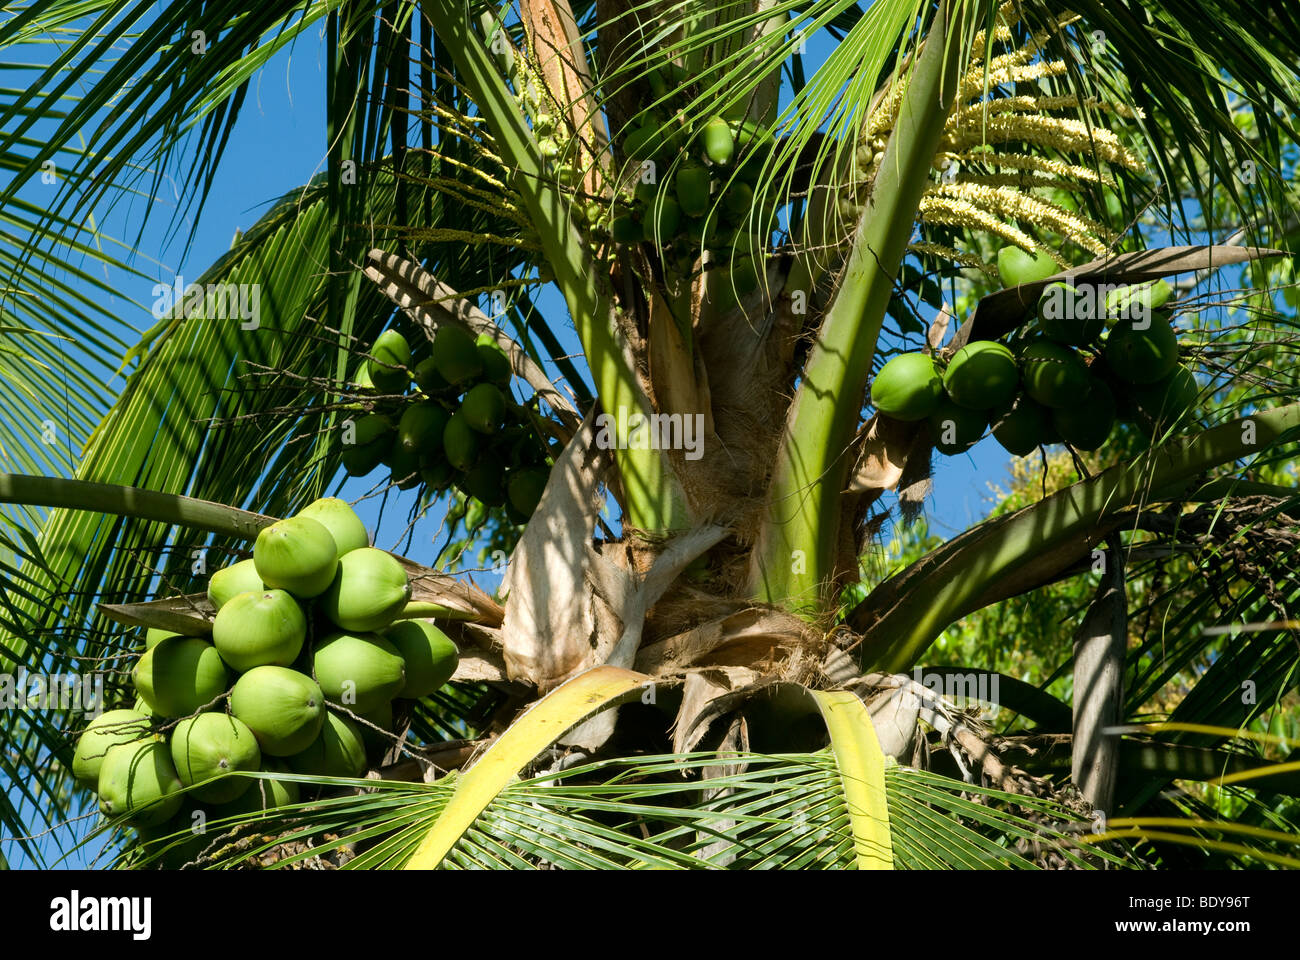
(459, 428)
(307, 638)
(1090, 359)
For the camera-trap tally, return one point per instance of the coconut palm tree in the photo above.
(732, 671)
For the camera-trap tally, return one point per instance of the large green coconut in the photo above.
(955, 429)
(460, 442)
(258, 628)
(455, 355)
(982, 376)
(404, 466)
(1166, 403)
(283, 708)
(1086, 425)
(368, 592)
(691, 185)
(1023, 426)
(180, 675)
(338, 751)
(525, 489)
(1070, 314)
(496, 362)
(298, 555)
(421, 427)
(338, 517)
(111, 729)
(138, 780)
(214, 745)
(366, 442)
(391, 355)
(359, 671)
(1015, 266)
(1054, 375)
(429, 655)
(1142, 355)
(908, 387)
(228, 582)
(484, 408)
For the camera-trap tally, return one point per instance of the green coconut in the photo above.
(376, 743)
(265, 793)
(113, 728)
(214, 745)
(455, 355)
(338, 517)
(719, 142)
(1085, 425)
(404, 466)
(421, 427)
(1015, 266)
(283, 708)
(390, 351)
(229, 582)
(691, 186)
(436, 475)
(484, 408)
(154, 635)
(138, 780)
(298, 555)
(428, 379)
(525, 489)
(358, 671)
(908, 387)
(982, 376)
(1054, 374)
(337, 751)
(1166, 403)
(180, 675)
(1142, 355)
(955, 428)
(258, 628)
(429, 655)
(366, 442)
(460, 442)
(664, 219)
(496, 362)
(1070, 314)
(1023, 427)
(368, 592)
(486, 481)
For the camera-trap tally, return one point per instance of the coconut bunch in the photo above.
(988, 185)
(459, 428)
(1089, 359)
(307, 655)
